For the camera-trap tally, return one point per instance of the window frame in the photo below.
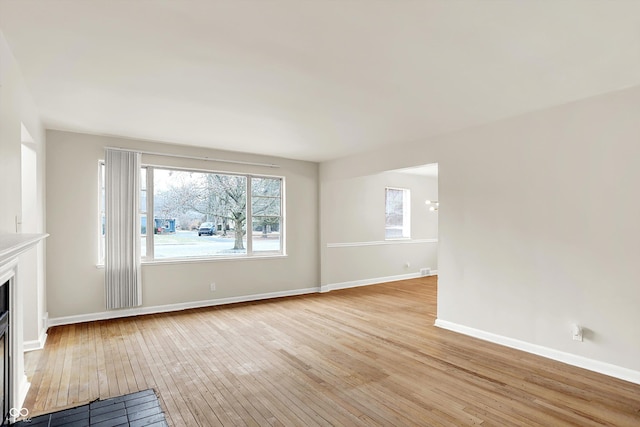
(101, 212)
(149, 257)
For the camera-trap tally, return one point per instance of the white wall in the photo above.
(32, 279)
(17, 109)
(353, 223)
(538, 228)
(76, 287)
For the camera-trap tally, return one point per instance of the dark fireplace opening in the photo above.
(4, 354)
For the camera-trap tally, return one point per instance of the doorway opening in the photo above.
(425, 211)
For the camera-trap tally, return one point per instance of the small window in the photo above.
(397, 213)
(102, 219)
(143, 212)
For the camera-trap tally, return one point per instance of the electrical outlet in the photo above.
(576, 333)
(425, 272)
(213, 286)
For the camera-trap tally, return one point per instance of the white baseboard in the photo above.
(373, 281)
(104, 315)
(90, 317)
(23, 389)
(561, 356)
(36, 344)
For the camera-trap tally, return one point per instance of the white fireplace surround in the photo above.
(11, 246)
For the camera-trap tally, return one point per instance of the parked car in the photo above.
(206, 228)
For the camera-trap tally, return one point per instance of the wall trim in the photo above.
(36, 344)
(115, 314)
(23, 390)
(550, 353)
(380, 242)
(372, 281)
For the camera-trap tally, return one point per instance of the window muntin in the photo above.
(175, 203)
(397, 213)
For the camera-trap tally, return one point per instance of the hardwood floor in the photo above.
(363, 357)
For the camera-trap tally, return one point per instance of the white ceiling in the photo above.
(313, 79)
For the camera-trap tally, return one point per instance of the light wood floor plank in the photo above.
(366, 356)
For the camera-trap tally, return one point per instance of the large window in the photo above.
(195, 214)
(397, 213)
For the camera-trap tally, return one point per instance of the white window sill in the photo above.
(168, 261)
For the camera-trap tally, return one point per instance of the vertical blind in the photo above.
(123, 285)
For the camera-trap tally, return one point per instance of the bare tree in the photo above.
(223, 198)
(230, 194)
(265, 204)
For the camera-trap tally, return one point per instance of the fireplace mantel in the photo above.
(12, 245)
